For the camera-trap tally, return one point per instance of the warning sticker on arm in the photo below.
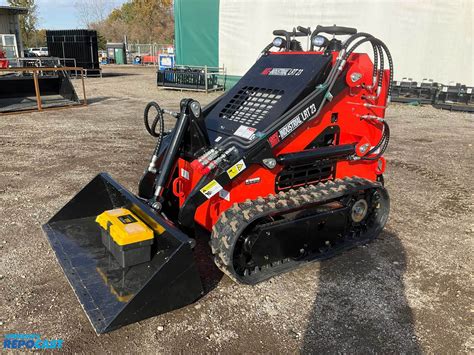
(211, 189)
(235, 169)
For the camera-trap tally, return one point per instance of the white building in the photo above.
(427, 38)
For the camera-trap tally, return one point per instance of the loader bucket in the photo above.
(110, 295)
(18, 93)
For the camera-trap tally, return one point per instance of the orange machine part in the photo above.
(344, 111)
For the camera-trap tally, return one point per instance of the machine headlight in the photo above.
(319, 41)
(279, 42)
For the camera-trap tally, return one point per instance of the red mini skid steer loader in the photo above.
(283, 169)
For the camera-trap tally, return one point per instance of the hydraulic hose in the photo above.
(157, 120)
(152, 131)
(390, 63)
(382, 144)
(374, 72)
(377, 53)
(379, 47)
(265, 50)
(385, 135)
(354, 37)
(341, 60)
(380, 73)
(379, 44)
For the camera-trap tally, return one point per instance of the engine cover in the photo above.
(271, 87)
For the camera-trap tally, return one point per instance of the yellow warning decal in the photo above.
(211, 189)
(236, 169)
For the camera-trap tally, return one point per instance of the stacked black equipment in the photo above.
(454, 97)
(78, 44)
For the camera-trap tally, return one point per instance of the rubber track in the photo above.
(234, 220)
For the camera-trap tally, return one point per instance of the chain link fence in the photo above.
(148, 53)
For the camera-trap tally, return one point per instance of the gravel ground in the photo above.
(409, 291)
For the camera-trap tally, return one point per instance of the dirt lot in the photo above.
(409, 291)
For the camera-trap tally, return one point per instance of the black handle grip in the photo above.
(335, 30)
(280, 33)
(305, 30)
(289, 34)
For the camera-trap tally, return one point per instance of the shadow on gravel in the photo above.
(96, 99)
(361, 305)
(112, 75)
(210, 274)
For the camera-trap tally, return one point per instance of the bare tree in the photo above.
(93, 11)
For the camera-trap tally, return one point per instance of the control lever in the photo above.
(305, 30)
(334, 30)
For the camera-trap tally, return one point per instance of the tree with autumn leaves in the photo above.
(143, 21)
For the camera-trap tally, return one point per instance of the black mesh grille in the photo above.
(250, 105)
(304, 175)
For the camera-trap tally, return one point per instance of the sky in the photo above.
(58, 14)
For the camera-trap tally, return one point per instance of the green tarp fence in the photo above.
(197, 32)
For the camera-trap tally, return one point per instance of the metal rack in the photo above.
(194, 78)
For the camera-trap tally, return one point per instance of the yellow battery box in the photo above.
(125, 236)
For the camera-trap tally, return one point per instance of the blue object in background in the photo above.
(137, 60)
(166, 61)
